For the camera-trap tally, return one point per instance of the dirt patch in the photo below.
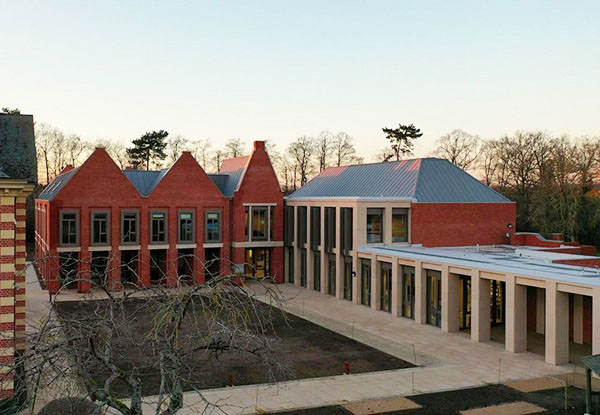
(513, 408)
(308, 350)
(535, 385)
(380, 406)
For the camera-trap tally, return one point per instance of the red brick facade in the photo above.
(462, 224)
(99, 184)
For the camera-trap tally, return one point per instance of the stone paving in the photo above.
(446, 361)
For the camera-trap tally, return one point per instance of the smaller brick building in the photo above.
(98, 224)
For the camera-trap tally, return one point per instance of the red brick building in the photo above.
(99, 224)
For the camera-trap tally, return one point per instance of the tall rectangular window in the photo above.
(129, 228)
(271, 222)
(374, 225)
(259, 223)
(301, 225)
(399, 225)
(346, 229)
(289, 226)
(247, 222)
(158, 227)
(329, 228)
(100, 227)
(69, 229)
(186, 227)
(213, 226)
(315, 227)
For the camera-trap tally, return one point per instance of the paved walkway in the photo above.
(446, 361)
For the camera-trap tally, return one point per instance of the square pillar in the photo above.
(356, 279)
(375, 288)
(296, 250)
(450, 299)
(557, 325)
(324, 256)
(420, 294)
(84, 272)
(516, 316)
(114, 269)
(396, 289)
(339, 264)
(596, 321)
(480, 308)
(172, 267)
(309, 252)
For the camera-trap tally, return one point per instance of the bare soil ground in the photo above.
(309, 350)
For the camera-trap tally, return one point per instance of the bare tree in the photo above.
(201, 150)
(323, 148)
(218, 157)
(147, 347)
(116, 150)
(175, 145)
(343, 150)
(75, 148)
(50, 150)
(234, 147)
(301, 151)
(459, 147)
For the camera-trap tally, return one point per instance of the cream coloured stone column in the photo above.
(450, 298)
(339, 264)
(309, 252)
(396, 290)
(356, 293)
(596, 321)
(480, 308)
(296, 249)
(540, 311)
(578, 319)
(375, 287)
(557, 325)
(387, 225)
(516, 316)
(324, 256)
(420, 294)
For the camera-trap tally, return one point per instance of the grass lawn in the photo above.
(307, 350)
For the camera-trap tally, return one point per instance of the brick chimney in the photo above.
(259, 145)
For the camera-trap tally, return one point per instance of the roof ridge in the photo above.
(415, 191)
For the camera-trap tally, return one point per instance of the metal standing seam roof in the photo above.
(234, 169)
(145, 181)
(60, 181)
(422, 180)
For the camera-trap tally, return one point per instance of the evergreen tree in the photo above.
(148, 148)
(401, 139)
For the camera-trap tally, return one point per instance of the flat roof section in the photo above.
(505, 259)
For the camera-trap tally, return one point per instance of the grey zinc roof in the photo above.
(234, 170)
(419, 180)
(145, 181)
(50, 192)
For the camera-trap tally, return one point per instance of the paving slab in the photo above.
(513, 408)
(380, 406)
(535, 385)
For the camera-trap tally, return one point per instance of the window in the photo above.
(158, 227)
(259, 223)
(213, 226)
(301, 225)
(289, 225)
(100, 228)
(69, 228)
(399, 225)
(186, 227)
(346, 229)
(271, 222)
(247, 222)
(315, 227)
(329, 228)
(374, 225)
(129, 228)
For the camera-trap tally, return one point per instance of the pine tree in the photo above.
(148, 148)
(401, 139)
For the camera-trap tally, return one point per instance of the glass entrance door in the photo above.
(498, 309)
(348, 278)
(464, 312)
(258, 262)
(385, 283)
(434, 306)
(408, 292)
(365, 282)
(331, 275)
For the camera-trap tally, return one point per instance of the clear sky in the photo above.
(280, 69)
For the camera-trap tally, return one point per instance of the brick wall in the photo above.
(460, 224)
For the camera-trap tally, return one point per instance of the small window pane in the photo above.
(213, 227)
(158, 227)
(186, 227)
(259, 223)
(400, 225)
(374, 225)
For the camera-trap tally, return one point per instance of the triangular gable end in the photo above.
(259, 168)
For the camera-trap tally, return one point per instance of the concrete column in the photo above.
(480, 308)
(578, 319)
(557, 325)
(540, 310)
(339, 264)
(387, 225)
(355, 260)
(420, 294)
(596, 321)
(309, 253)
(324, 279)
(296, 249)
(450, 301)
(375, 287)
(516, 316)
(396, 290)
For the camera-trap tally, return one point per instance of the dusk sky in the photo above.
(278, 70)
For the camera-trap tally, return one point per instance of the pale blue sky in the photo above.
(279, 69)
